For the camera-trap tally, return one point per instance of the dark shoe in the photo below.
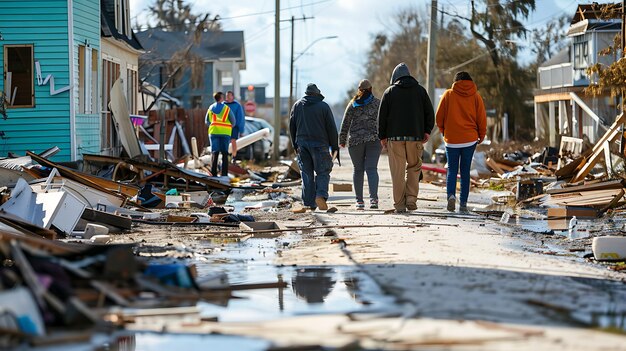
(321, 203)
(463, 208)
(373, 204)
(411, 207)
(399, 211)
(360, 205)
(451, 203)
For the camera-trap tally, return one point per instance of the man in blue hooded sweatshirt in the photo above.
(405, 120)
(314, 137)
(221, 121)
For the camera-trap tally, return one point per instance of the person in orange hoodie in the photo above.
(462, 120)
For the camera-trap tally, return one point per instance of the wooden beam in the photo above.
(598, 149)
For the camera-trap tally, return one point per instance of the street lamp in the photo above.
(293, 59)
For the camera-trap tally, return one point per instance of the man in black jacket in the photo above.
(314, 137)
(405, 120)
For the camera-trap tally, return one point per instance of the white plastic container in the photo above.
(609, 248)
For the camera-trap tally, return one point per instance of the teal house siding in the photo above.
(86, 19)
(43, 24)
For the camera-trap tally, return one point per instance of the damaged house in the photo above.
(211, 65)
(561, 106)
(60, 58)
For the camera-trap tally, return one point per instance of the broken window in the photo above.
(87, 79)
(18, 75)
(581, 54)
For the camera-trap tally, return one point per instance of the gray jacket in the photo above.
(360, 124)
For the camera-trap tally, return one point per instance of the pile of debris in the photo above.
(567, 186)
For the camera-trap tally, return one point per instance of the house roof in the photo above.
(213, 46)
(562, 56)
(594, 11)
(107, 25)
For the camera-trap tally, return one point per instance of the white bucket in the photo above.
(609, 248)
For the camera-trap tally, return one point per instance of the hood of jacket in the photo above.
(406, 82)
(312, 99)
(464, 87)
(217, 107)
(400, 71)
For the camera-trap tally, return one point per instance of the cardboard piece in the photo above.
(571, 211)
(342, 187)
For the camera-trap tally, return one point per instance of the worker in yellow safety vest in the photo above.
(221, 121)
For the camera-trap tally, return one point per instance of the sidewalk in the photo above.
(465, 268)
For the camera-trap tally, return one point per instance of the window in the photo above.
(196, 101)
(226, 78)
(18, 75)
(110, 73)
(164, 72)
(87, 79)
(581, 55)
(122, 17)
(132, 90)
(127, 29)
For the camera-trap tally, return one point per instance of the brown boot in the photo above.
(321, 203)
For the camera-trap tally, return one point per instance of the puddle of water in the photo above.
(310, 290)
(160, 342)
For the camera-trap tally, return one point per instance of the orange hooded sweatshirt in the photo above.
(461, 115)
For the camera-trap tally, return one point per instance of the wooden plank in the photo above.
(611, 184)
(31, 279)
(169, 170)
(101, 184)
(598, 148)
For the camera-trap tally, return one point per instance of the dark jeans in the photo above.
(462, 156)
(219, 145)
(315, 164)
(365, 159)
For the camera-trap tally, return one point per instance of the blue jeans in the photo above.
(462, 156)
(315, 164)
(219, 145)
(365, 159)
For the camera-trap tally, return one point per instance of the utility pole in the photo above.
(430, 65)
(292, 20)
(432, 49)
(277, 117)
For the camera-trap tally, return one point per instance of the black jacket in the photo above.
(312, 120)
(405, 110)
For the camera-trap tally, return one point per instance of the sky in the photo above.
(335, 65)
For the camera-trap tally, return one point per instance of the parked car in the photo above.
(262, 149)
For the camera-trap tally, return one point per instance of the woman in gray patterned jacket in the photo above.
(359, 130)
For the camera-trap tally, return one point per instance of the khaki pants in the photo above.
(405, 163)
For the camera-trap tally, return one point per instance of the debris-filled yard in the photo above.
(136, 254)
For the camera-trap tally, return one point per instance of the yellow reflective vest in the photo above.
(220, 124)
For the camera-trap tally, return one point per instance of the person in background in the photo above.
(314, 137)
(359, 130)
(237, 110)
(405, 120)
(462, 120)
(221, 121)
